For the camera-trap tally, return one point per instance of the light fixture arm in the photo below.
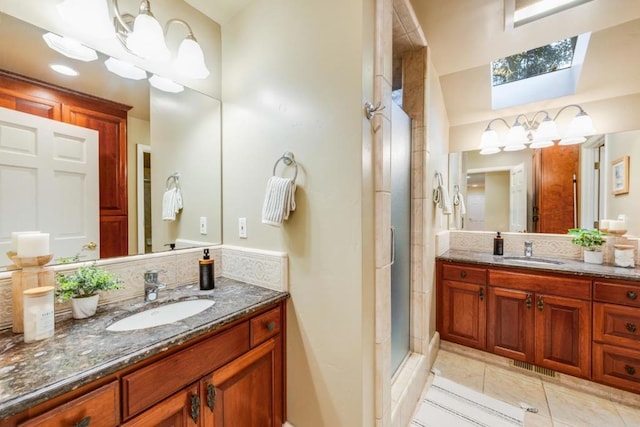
(567, 106)
(120, 18)
(179, 21)
(497, 119)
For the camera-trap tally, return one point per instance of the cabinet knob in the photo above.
(540, 303)
(271, 326)
(481, 294)
(83, 422)
(630, 370)
(211, 396)
(632, 295)
(528, 300)
(630, 327)
(195, 407)
(463, 274)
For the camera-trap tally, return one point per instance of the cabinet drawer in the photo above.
(617, 366)
(265, 326)
(616, 324)
(462, 273)
(563, 286)
(100, 406)
(153, 383)
(617, 293)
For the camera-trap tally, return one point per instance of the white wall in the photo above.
(295, 78)
(616, 146)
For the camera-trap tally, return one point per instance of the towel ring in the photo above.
(176, 180)
(288, 159)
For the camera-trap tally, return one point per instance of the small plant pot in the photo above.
(84, 307)
(593, 257)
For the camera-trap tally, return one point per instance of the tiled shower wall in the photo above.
(257, 267)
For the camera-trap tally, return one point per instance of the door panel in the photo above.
(510, 328)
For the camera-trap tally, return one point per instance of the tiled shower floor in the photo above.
(558, 405)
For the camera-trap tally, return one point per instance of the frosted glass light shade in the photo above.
(516, 138)
(70, 48)
(90, 17)
(190, 60)
(572, 140)
(147, 39)
(125, 69)
(165, 84)
(489, 143)
(581, 125)
(547, 131)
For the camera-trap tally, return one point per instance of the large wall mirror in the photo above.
(501, 192)
(167, 134)
(549, 190)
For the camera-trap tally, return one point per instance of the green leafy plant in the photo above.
(590, 240)
(85, 282)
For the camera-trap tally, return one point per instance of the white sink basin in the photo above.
(532, 260)
(161, 315)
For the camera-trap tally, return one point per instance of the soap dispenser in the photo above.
(206, 272)
(498, 245)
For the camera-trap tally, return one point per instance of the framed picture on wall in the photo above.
(620, 176)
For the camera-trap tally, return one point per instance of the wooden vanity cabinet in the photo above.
(616, 334)
(462, 313)
(541, 319)
(234, 377)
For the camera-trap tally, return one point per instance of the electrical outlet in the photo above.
(242, 228)
(203, 225)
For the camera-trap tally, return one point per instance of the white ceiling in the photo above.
(219, 10)
(464, 36)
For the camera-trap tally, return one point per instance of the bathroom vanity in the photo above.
(569, 317)
(222, 367)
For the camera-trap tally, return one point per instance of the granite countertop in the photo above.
(82, 351)
(566, 266)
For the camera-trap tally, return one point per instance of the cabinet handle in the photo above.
(540, 303)
(211, 396)
(463, 274)
(195, 407)
(271, 326)
(632, 295)
(83, 422)
(481, 294)
(630, 327)
(528, 300)
(630, 370)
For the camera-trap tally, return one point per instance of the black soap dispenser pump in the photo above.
(498, 245)
(206, 272)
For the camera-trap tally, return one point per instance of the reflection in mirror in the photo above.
(535, 190)
(170, 132)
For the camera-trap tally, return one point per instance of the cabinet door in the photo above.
(464, 313)
(563, 334)
(246, 392)
(511, 323)
(183, 409)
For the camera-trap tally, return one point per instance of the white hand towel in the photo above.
(458, 202)
(445, 201)
(169, 205)
(279, 200)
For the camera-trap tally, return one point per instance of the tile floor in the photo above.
(559, 405)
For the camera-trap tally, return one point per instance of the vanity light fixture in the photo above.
(125, 69)
(165, 84)
(144, 37)
(70, 48)
(63, 69)
(536, 134)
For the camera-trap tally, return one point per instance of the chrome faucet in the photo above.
(151, 285)
(528, 248)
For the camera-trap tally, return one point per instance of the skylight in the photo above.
(521, 12)
(541, 60)
(538, 74)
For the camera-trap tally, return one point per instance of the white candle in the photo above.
(616, 225)
(604, 224)
(14, 238)
(33, 245)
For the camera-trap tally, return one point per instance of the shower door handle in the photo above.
(393, 245)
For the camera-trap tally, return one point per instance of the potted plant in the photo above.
(82, 287)
(591, 241)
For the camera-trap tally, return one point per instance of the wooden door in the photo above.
(182, 409)
(246, 392)
(555, 196)
(464, 313)
(563, 334)
(113, 176)
(511, 324)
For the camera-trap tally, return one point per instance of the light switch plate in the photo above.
(242, 228)
(203, 225)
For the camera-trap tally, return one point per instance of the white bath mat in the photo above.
(448, 404)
